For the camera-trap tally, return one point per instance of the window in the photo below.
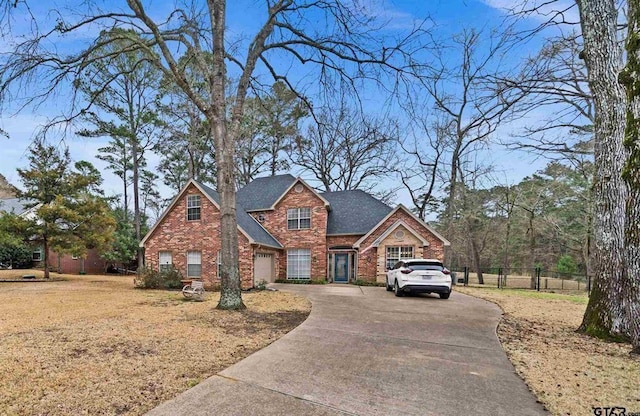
(194, 264)
(193, 207)
(299, 264)
(299, 218)
(397, 253)
(165, 260)
(36, 255)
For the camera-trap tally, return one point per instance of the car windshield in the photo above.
(425, 265)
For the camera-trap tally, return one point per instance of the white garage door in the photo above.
(264, 268)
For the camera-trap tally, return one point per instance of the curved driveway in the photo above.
(363, 351)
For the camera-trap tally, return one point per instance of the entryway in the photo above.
(341, 266)
(263, 268)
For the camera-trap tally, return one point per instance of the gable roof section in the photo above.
(16, 206)
(261, 194)
(12, 205)
(394, 227)
(354, 212)
(246, 223)
(407, 211)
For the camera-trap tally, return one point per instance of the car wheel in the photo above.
(389, 288)
(445, 295)
(396, 289)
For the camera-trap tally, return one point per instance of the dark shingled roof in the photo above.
(261, 193)
(354, 212)
(246, 221)
(13, 205)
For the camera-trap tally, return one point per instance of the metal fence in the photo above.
(523, 278)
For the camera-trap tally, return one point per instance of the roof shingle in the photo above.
(261, 193)
(354, 212)
(246, 221)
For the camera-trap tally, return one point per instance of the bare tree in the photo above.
(344, 44)
(556, 83)
(470, 94)
(424, 157)
(345, 150)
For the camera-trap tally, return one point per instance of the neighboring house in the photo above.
(287, 230)
(62, 263)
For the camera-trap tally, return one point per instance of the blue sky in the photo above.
(448, 18)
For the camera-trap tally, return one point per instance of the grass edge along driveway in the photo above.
(570, 373)
(94, 345)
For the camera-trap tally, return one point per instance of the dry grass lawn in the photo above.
(569, 372)
(94, 345)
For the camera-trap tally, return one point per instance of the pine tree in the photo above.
(70, 214)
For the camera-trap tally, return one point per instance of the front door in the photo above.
(341, 268)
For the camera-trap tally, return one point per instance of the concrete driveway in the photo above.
(363, 351)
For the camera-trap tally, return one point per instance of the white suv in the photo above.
(419, 276)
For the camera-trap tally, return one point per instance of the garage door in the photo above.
(264, 268)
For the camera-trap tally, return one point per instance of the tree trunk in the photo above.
(136, 201)
(532, 250)
(476, 260)
(125, 193)
(604, 316)
(45, 243)
(506, 266)
(448, 254)
(630, 78)
(230, 295)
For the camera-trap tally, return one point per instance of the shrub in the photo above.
(303, 281)
(170, 278)
(368, 283)
(262, 285)
(566, 265)
(17, 255)
(147, 278)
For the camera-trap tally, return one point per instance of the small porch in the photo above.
(342, 264)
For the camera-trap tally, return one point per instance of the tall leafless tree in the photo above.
(344, 44)
(469, 93)
(346, 150)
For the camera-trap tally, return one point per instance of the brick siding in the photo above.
(371, 263)
(177, 235)
(93, 263)
(314, 238)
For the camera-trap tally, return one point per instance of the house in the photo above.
(288, 231)
(92, 263)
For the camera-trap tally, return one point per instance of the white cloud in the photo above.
(541, 10)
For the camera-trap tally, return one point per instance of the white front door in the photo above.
(263, 267)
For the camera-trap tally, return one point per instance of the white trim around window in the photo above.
(165, 260)
(194, 264)
(193, 207)
(396, 253)
(36, 255)
(299, 218)
(299, 264)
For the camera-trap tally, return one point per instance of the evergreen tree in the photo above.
(70, 214)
